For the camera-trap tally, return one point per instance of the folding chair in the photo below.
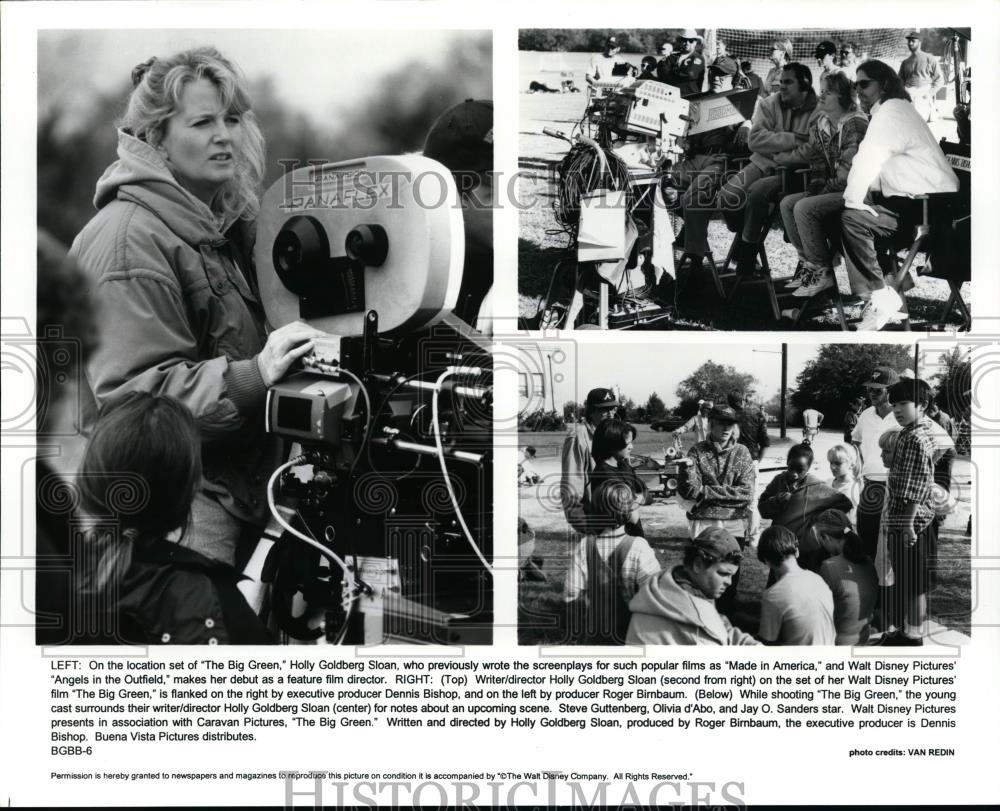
(732, 164)
(944, 235)
(788, 177)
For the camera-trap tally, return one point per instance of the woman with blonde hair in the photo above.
(169, 255)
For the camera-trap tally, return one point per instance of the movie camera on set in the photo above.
(662, 479)
(631, 134)
(381, 520)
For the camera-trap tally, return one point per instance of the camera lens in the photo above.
(301, 249)
(367, 244)
(287, 251)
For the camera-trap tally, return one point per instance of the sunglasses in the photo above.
(730, 557)
(861, 84)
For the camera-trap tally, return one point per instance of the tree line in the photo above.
(827, 383)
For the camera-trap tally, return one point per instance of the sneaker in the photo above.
(794, 282)
(817, 282)
(880, 309)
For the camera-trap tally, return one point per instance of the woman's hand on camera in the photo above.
(285, 346)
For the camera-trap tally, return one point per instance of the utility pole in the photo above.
(552, 382)
(784, 387)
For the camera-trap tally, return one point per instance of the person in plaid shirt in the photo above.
(607, 569)
(912, 531)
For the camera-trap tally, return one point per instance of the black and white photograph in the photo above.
(805, 494)
(270, 256)
(735, 179)
(336, 475)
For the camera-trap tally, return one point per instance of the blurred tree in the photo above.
(76, 128)
(626, 409)
(73, 149)
(408, 100)
(572, 411)
(639, 40)
(711, 381)
(829, 381)
(773, 407)
(655, 407)
(954, 382)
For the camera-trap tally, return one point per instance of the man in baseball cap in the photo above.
(577, 460)
(602, 67)
(462, 140)
(826, 55)
(678, 607)
(921, 76)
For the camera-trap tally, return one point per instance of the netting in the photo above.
(887, 44)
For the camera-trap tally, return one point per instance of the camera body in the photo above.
(673, 473)
(339, 239)
(385, 509)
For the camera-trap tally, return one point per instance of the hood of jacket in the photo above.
(141, 176)
(665, 609)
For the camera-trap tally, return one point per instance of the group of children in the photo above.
(824, 587)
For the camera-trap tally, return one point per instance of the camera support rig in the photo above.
(381, 523)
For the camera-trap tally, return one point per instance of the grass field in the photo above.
(665, 524)
(542, 243)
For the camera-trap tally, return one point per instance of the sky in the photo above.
(340, 66)
(640, 369)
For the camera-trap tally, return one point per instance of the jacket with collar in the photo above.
(898, 157)
(175, 595)
(670, 610)
(577, 465)
(832, 147)
(180, 316)
(720, 481)
(774, 128)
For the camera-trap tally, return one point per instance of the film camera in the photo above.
(674, 468)
(662, 478)
(382, 517)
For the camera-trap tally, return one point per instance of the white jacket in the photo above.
(898, 157)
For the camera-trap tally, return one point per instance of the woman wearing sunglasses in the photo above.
(898, 160)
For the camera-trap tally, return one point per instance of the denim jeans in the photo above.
(861, 230)
(808, 221)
